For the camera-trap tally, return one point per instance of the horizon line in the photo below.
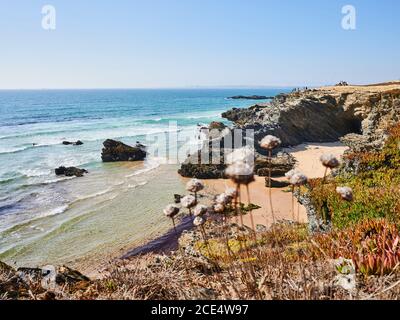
(165, 88)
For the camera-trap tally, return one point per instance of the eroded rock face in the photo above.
(322, 115)
(114, 151)
(359, 115)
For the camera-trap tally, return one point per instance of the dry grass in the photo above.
(282, 267)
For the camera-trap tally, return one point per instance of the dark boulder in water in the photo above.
(70, 171)
(77, 143)
(114, 151)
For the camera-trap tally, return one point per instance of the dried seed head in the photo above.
(245, 155)
(200, 210)
(290, 173)
(194, 185)
(219, 208)
(231, 192)
(198, 221)
(188, 202)
(329, 161)
(240, 173)
(298, 179)
(346, 193)
(270, 142)
(223, 199)
(171, 210)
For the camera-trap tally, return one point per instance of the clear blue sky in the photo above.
(186, 43)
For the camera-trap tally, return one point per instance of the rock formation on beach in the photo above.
(76, 143)
(70, 171)
(357, 115)
(114, 151)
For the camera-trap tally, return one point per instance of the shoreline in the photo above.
(164, 240)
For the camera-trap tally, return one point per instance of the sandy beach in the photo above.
(307, 156)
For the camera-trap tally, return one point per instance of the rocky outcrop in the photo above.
(39, 283)
(280, 164)
(276, 183)
(114, 151)
(194, 168)
(359, 115)
(323, 115)
(253, 97)
(70, 171)
(76, 143)
(202, 171)
(216, 125)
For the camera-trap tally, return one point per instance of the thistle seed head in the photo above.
(240, 173)
(346, 193)
(245, 155)
(290, 173)
(298, 179)
(194, 185)
(329, 161)
(219, 208)
(188, 202)
(223, 199)
(171, 211)
(231, 192)
(200, 210)
(198, 221)
(270, 142)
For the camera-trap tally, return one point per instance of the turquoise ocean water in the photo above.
(49, 219)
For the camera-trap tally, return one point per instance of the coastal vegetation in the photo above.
(348, 249)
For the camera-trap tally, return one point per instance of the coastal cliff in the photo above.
(359, 116)
(323, 115)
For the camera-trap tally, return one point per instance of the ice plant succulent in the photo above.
(346, 193)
